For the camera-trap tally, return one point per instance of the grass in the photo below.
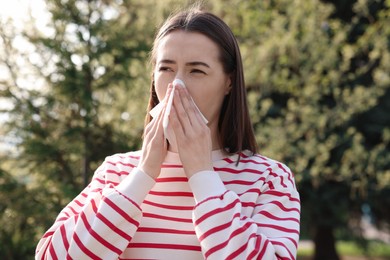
(349, 248)
(375, 249)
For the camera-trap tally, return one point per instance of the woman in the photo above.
(195, 190)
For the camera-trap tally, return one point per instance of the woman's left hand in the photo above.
(193, 136)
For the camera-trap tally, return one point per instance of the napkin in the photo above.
(157, 109)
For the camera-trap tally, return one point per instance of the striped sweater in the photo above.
(245, 211)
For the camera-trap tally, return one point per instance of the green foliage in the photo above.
(25, 212)
(318, 83)
(92, 69)
(319, 92)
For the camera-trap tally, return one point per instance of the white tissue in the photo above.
(157, 109)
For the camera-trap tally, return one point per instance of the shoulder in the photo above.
(129, 159)
(277, 171)
(118, 165)
(247, 159)
(271, 163)
(258, 164)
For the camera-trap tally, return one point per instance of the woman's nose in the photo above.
(180, 75)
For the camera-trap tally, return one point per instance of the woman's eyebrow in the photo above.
(191, 63)
(197, 63)
(167, 61)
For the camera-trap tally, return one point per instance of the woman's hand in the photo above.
(154, 147)
(192, 134)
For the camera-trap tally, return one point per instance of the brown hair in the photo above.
(235, 127)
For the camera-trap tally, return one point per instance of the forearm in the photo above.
(226, 233)
(98, 226)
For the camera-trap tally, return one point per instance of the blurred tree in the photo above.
(76, 93)
(319, 87)
(21, 219)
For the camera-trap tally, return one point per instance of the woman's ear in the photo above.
(228, 89)
(229, 85)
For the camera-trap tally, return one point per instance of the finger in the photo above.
(154, 124)
(181, 113)
(160, 117)
(175, 124)
(190, 108)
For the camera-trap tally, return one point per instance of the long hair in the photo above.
(234, 125)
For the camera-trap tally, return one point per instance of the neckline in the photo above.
(216, 155)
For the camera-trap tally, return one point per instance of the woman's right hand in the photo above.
(154, 147)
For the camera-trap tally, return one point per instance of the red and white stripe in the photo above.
(245, 211)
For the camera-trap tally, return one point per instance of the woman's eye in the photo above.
(164, 69)
(198, 71)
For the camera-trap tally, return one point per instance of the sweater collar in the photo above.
(216, 155)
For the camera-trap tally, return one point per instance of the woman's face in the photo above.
(193, 58)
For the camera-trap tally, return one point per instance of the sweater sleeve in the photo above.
(101, 221)
(271, 232)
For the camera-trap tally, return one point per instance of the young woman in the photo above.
(196, 190)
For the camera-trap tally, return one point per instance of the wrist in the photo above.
(192, 171)
(148, 171)
(136, 185)
(214, 185)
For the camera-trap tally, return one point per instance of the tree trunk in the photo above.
(325, 244)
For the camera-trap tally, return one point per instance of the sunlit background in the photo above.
(74, 81)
